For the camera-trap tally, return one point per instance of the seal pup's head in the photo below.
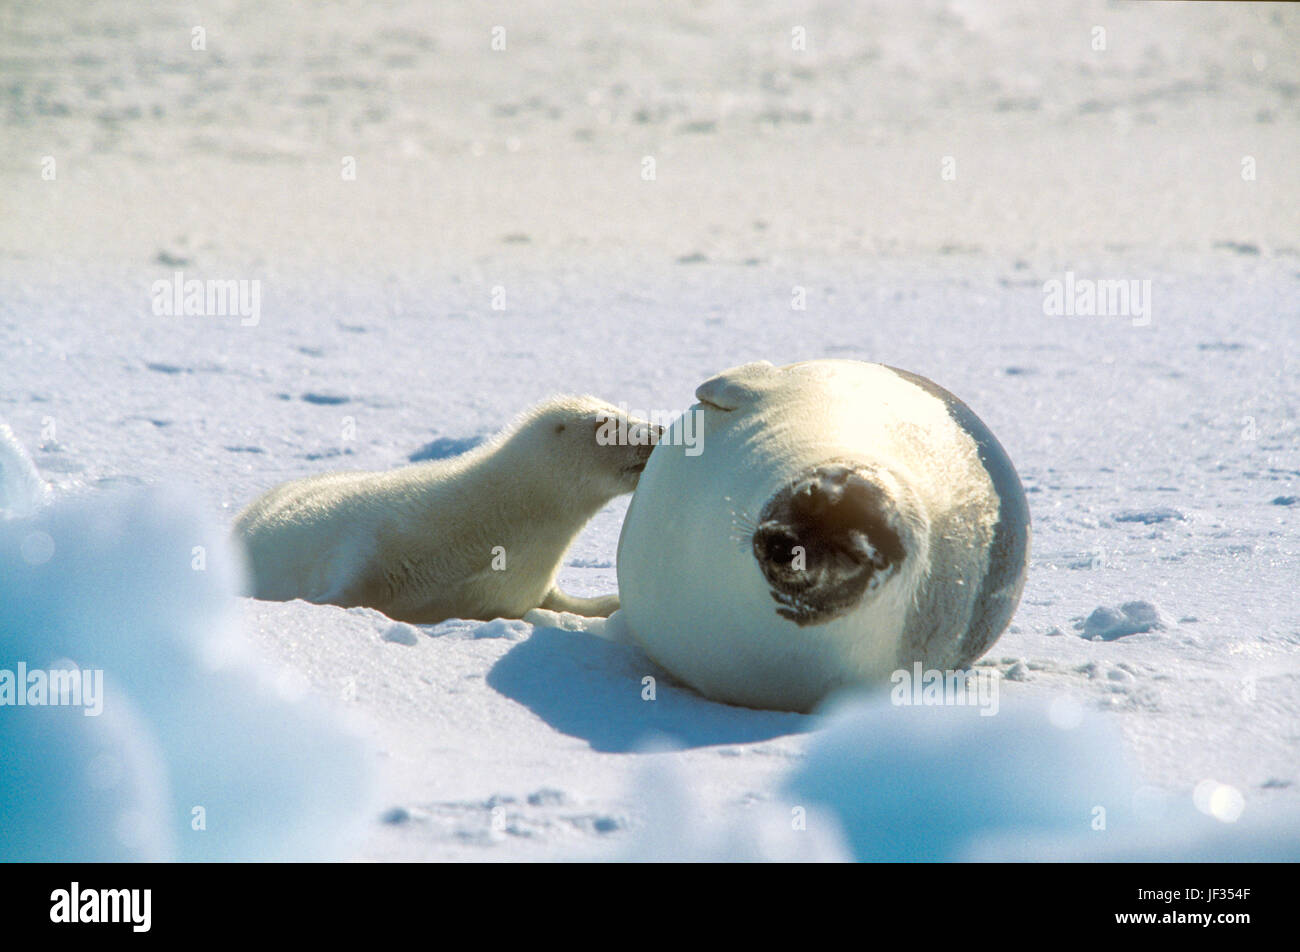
(838, 533)
(599, 449)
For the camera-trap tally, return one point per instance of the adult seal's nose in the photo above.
(825, 541)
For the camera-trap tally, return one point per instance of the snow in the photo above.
(1161, 461)
(1106, 623)
(908, 785)
(22, 491)
(140, 587)
(1052, 782)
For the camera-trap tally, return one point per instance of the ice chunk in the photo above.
(138, 587)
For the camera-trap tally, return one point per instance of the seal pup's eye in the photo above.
(559, 428)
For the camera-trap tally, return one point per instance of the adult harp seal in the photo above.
(844, 520)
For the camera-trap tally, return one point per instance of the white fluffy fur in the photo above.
(693, 595)
(418, 542)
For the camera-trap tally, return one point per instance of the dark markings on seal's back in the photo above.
(999, 592)
(840, 520)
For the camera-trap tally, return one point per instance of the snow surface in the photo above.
(1161, 461)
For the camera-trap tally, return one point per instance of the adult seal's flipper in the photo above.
(737, 387)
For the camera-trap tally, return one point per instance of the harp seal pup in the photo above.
(844, 521)
(479, 536)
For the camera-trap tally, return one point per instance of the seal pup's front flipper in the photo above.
(736, 387)
(600, 607)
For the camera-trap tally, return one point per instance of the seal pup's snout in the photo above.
(825, 541)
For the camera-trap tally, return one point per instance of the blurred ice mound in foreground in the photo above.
(198, 753)
(913, 783)
(676, 828)
(1035, 782)
(22, 491)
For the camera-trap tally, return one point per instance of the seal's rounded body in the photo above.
(842, 521)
